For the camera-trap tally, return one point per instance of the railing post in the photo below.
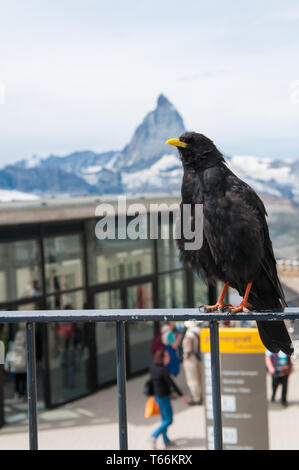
(121, 384)
(31, 385)
(216, 391)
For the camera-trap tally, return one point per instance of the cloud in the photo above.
(82, 74)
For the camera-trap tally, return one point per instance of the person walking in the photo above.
(280, 366)
(192, 361)
(163, 385)
(171, 339)
(16, 361)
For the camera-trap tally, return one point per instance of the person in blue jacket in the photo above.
(163, 387)
(171, 340)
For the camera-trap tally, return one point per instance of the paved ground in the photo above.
(91, 423)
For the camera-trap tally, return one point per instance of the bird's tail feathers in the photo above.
(275, 336)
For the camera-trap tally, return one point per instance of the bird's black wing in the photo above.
(268, 262)
(266, 291)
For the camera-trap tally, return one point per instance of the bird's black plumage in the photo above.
(236, 243)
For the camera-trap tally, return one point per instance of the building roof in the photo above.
(72, 208)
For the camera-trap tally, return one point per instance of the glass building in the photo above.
(50, 258)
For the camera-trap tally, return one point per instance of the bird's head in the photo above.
(196, 150)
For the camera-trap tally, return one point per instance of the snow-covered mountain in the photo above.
(146, 164)
(266, 176)
(147, 145)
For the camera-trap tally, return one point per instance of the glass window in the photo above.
(106, 337)
(140, 333)
(67, 300)
(19, 270)
(13, 336)
(63, 262)
(173, 290)
(69, 353)
(168, 253)
(113, 260)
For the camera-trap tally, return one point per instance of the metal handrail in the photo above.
(147, 314)
(120, 317)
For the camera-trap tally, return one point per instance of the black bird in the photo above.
(236, 246)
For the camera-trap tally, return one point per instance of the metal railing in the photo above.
(120, 317)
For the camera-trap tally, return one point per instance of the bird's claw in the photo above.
(217, 307)
(238, 308)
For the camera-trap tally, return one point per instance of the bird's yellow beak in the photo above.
(176, 143)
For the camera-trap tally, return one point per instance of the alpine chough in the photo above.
(236, 246)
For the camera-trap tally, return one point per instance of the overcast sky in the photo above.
(81, 74)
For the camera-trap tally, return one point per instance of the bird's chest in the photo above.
(212, 181)
(206, 188)
(192, 189)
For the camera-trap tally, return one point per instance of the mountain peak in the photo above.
(148, 142)
(163, 101)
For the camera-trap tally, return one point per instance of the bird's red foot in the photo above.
(218, 306)
(243, 307)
